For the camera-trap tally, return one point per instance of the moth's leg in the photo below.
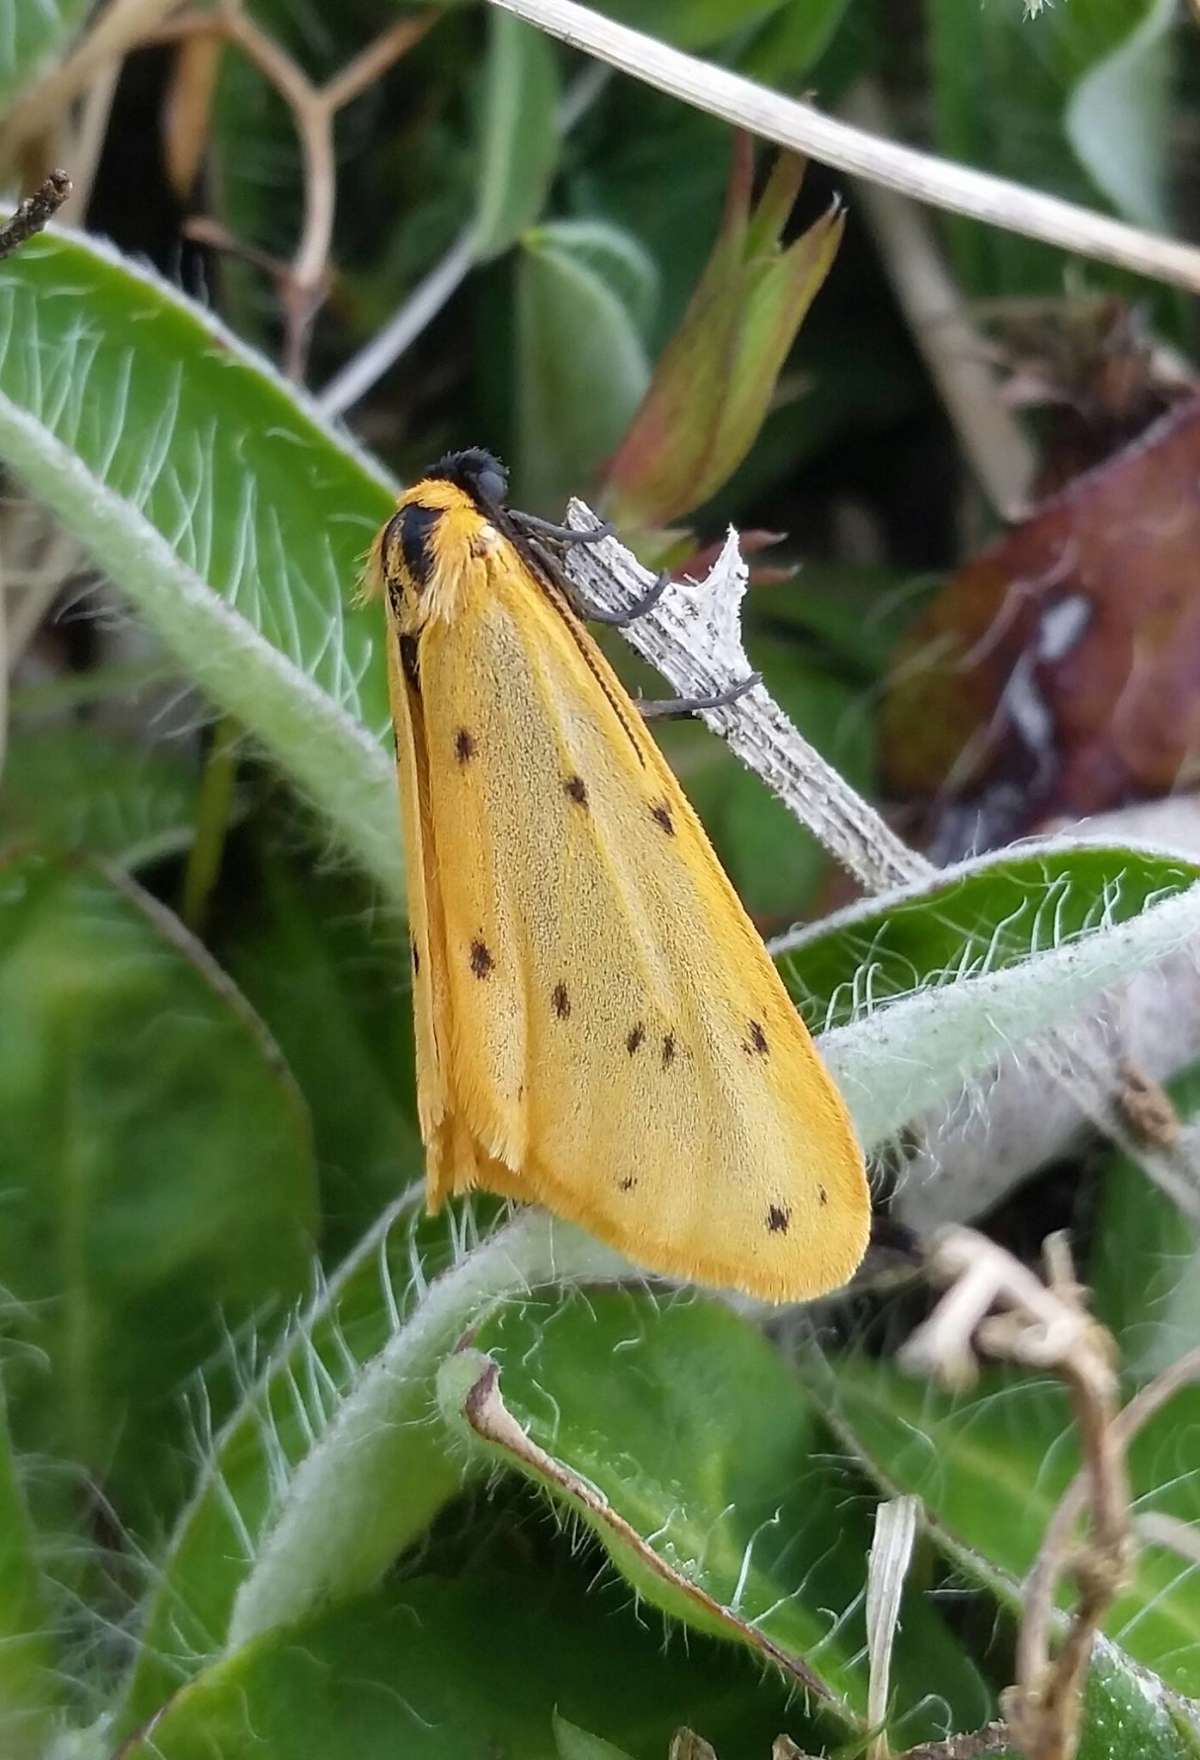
(565, 535)
(691, 705)
(584, 606)
(647, 602)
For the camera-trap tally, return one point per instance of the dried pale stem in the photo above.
(996, 1306)
(363, 69)
(1156, 1529)
(1055, 1553)
(423, 303)
(119, 27)
(83, 139)
(887, 1571)
(802, 128)
(693, 637)
(388, 343)
(313, 108)
(993, 441)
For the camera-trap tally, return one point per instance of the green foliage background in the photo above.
(244, 1509)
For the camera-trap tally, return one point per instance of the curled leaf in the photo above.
(714, 381)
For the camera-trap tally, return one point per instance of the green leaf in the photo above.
(615, 256)
(1011, 93)
(658, 170)
(157, 1163)
(690, 24)
(28, 1693)
(519, 142)
(1128, 1716)
(991, 1466)
(34, 34)
(573, 1743)
(432, 1669)
(345, 1025)
(1145, 1258)
(247, 1470)
(978, 918)
(1008, 975)
(581, 366)
(82, 789)
(336, 1460)
(777, 295)
(680, 1438)
(1117, 118)
(219, 503)
(791, 42)
(329, 1540)
(712, 383)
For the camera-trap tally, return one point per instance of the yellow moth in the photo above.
(598, 1026)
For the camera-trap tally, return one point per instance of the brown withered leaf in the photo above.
(1097, 372)
(1058, 673)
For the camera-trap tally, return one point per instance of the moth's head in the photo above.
(477, 473)
(439, 525)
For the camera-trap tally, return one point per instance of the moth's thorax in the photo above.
(437, 549)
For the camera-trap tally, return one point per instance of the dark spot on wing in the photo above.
(410, 660)
(822, 1196)
(778, 1219)
(627, 1184)
(661, 814)
(481, 960)
(756, 1044)
(416, 958)
(635, 1037)
(464, 745)
(415, 526)
(668, 1050)
(561, 1001)
(576, 788)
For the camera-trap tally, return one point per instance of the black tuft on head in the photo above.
(479, 473)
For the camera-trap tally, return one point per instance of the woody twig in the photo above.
(303, 282)
(34, 213)
(997, 1307)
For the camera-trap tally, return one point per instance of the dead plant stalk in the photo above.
(997, 1307)
(303, 281)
